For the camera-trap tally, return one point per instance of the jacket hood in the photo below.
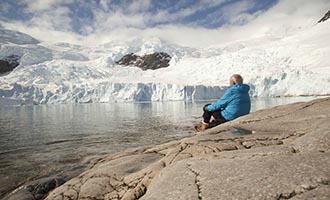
(244, 88)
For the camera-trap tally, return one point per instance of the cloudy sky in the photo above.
(186, 22)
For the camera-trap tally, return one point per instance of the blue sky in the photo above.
(144, 14)
(76, 19)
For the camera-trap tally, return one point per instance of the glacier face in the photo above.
(112, 92)
(291, 65)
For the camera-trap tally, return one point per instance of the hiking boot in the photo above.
(201, 126)
(212, 124)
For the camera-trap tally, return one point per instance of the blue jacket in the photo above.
(234, 103)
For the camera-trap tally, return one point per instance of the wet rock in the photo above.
(36, 190)
(41, 187)
(21, 195)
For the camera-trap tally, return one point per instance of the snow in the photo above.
(9, 36)
(295, 64)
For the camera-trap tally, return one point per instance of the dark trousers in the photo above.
(219, 119)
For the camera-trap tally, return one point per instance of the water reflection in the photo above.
(36, 137)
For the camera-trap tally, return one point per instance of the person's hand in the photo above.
(205, 107)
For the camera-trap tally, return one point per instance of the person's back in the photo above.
(234, 103)
(239, 102)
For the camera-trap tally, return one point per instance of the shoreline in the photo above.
(218, 164)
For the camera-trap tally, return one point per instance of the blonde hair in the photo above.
(236, 78)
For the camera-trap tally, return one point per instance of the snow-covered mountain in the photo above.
(296, 63)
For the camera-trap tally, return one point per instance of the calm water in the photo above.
(49, 139)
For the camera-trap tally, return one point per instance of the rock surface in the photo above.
(278, 153)
(150, 61)
(35, 190)
(325, 17)
(9, 63)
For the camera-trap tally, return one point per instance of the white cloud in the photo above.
(57, 20)
(44, 34)
(233, 11)
(48, 14)
(52, 22)
(43, 5)
(288, 15)
(209, 3)
(138, 6)
(109, 22)
(243, 18)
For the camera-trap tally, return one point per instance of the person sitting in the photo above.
(234, 103)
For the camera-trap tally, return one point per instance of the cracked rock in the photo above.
(286, 156)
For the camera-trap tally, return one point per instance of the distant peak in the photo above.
(325, 17)
(16, 37)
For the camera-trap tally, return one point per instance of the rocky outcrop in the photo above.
(150, 61)
(325, 17)
(36, 189)
(279, 153)
(9, 63)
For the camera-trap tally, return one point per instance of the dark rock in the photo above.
(36, 190)
(21, 195)
(41, 187)
(9, 63)
(129, 59)
(325, 17)
(150, 61)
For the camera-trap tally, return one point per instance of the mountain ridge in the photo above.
(325, 17)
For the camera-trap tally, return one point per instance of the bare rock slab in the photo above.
(285, 155)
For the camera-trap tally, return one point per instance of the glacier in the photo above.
(112, 92)
(295, 64)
